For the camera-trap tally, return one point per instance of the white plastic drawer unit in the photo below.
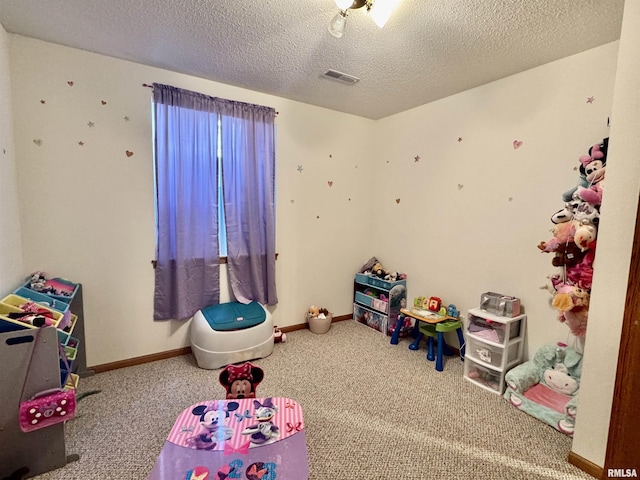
(494, 329)
(482, 376)
(490, 355)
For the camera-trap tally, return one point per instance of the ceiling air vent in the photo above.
(341, 77)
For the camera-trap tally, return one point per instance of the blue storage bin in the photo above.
(363, 279)
(234, 315)
(65, 335)
(42, 299)
(62, 298)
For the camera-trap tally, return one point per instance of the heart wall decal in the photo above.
(330, 183)
(517, 144)
(129, 153)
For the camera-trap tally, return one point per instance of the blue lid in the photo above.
(234, 315)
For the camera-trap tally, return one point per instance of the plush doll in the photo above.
(562, 234)
(391, 277)
(313, 311)
(567, 254)
(278, 335)
(593, 167)
(378, 271)
(576, 320)
(581, 274)
(38, 281)
(573, 305)
(585, 236)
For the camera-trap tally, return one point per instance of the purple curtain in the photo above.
(187, 275)
(248, 179)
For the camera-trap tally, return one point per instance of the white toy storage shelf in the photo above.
(494, 345)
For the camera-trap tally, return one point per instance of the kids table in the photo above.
(434, 327)
(249, 438)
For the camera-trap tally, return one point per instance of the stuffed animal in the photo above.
(584, 236)
(278, 335)
(562, 234)
(573, 304)
(313, 311)
(378, 271)
(38, 281)
(567, 254)
(593, 166)
(581, 275)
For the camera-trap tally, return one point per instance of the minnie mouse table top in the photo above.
(249, 438)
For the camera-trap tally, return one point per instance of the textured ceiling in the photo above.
(428, 50)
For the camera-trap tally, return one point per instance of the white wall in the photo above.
(87, 211)
(472, 212)
(614, 249)
(11, 268)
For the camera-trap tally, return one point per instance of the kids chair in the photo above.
(435, 331)
(546, 387)
(240, 381)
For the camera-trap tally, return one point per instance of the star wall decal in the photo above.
(590, 99)
(459, 139)
(81, 143)
(126, 119)
(299, 168)
(42, 102)
(91, 124)
(416, 158)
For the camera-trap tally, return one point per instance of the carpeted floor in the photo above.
(371, 409)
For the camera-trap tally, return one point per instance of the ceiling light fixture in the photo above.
(380, 11)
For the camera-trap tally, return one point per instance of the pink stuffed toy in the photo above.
(581, 275)
(594, 166)
(573, 304)
(576, 320)
(562, 233)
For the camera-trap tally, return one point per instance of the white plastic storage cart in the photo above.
(494, 345)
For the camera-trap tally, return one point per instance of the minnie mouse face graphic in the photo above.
(241, 381)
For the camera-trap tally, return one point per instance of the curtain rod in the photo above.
(151, 86)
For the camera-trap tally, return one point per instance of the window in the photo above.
(214, 172)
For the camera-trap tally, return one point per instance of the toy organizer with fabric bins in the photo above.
(377, 302)
(495, 344)
(63, 320)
